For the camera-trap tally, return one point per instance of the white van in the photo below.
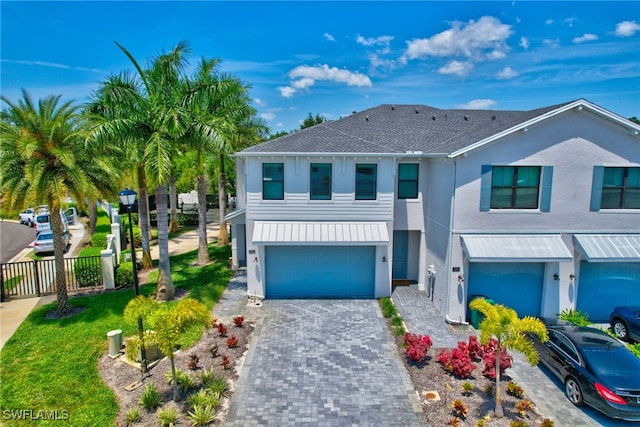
(43, 222)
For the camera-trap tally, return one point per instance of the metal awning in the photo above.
(236, 216)
(320, 233)
(515, 248)
(609, 247)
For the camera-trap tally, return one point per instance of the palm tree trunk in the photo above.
(203, 249)
(223, 236)
(143, 212)
(176, 394)
(93, 216)
(173, 200)
(58, 252)
(498, 412)
(165, 290)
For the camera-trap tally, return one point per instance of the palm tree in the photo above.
(219, 104)
(167, 322)
(510, 332)
(43, 158)
(147, 113)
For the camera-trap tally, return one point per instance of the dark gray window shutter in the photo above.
(545, 188)
(485, 189)
(596, 188)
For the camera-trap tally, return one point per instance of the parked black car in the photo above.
(595, 368)
(625, 323)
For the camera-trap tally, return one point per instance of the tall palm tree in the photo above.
(510, 332)
(146, 112)
(43, 158)
(219, 105)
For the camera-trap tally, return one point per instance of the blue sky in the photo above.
(333, 58)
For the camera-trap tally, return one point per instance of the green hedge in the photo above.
(124, 274)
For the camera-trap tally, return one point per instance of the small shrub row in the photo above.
(417, 346)
(459, 361)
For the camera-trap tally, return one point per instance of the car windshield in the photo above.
(45, 236)
(43, 219)
(616, 361)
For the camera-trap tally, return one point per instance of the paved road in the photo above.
(14, 237)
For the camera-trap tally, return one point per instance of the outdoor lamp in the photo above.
(128, 198)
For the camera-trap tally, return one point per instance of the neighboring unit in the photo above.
(537, 210)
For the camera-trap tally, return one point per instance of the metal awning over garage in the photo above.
(320, 233)
(609, 247)
(515, 248)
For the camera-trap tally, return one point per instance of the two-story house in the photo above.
(537, 210)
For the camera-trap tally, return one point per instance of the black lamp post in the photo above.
(128, 198)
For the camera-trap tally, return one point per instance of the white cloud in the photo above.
(268, 116)
(259, 102)
(304, 76)
(507, 73)
(551, 42)
(472, 40)
(383, 41)
(549, 21)
(329, 37)
(570, 21)
(457, 68)
(524, 43)
(53, 65)
(478, 104)
(585, 38)
(627, 28)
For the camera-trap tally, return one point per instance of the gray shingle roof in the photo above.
(398, 129)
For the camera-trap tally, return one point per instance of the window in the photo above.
(620, 188)
(407, 181)
(366, 182)
(515, 187)
(273, 181)
(320, 185)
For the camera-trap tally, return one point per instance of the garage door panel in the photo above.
(517, 285)
(603, 286)
(320, 272)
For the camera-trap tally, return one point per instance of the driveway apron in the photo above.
(320, 363)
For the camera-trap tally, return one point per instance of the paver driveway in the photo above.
(323, 363)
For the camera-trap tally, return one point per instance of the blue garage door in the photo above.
(604, 285)
(517, 285)
(320, 271)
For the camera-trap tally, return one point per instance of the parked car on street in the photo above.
(625, 323)
(44, 242)
(28, 216)
(43, 222)
(595, 368)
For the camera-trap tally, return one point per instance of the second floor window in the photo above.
(620, 188)
(320, 185)
(407, 181)
(273, 181)
(515, 187)
(366, 175)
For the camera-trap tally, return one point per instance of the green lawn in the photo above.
(51, 365)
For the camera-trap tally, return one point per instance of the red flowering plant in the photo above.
(417, 346)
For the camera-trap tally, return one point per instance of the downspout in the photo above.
(448, 264)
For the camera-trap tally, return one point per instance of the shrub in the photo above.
(462, 365)
(489, 359)
(459, 408)
(523, 406)
(193, 362)
(168, 416)
(150, 398)
(388, 309)
(88, 272)
(399, 330)
(546, 423)
(201, 415)
(467, 387)
(475, 348)
(218, 386)
(185, 380)
(517, 423)
(204, 398)
(232, 342)
(576, 317)
(417, 346)
(515, 390)
(238, 321)
(99, 240)
(222, 330)
(214, 350)
(124, 274)
(207, 376)
(133, 415)
(225, 362)
(454, 422)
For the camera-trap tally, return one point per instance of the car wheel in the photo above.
(620, 329)
(573, 391)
